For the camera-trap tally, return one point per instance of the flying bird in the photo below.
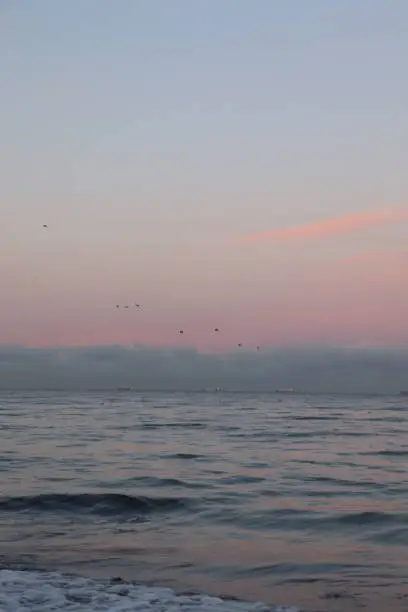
(45, 225)
(216, 329)
(181, 331)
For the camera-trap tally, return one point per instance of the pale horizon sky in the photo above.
(224, 164)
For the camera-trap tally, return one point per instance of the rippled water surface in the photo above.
(288, 499)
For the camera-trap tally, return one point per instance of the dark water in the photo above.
(290, 499)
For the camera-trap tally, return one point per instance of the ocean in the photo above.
(127, 501)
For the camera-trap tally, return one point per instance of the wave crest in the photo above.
(94, 503)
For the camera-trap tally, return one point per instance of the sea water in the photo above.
(154, 501)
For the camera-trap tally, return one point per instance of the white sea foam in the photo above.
(26, 591)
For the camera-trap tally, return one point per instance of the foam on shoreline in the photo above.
(35, 591)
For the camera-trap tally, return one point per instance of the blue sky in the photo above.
(151, 135)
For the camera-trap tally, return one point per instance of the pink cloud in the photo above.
(332, 227)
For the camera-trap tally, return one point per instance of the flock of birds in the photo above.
(138, 306)
(216, 330)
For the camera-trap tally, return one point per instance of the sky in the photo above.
(235, 164)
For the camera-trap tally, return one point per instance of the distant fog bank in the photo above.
(309, 369)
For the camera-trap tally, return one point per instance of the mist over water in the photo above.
(308, 368)
(288, 499)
